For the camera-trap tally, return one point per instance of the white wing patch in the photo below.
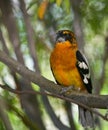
(82, 65)
(86, 77)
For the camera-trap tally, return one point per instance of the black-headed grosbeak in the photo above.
(70, 68)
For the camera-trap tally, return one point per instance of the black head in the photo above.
(65, 35)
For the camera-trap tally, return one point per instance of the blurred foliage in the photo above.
(48, 16)
(95, 14)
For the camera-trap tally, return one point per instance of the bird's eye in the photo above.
(68, 37)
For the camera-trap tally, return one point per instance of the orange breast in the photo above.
(63, 65)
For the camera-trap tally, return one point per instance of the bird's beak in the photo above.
(60, 39)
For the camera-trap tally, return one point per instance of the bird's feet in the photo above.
(66, 89)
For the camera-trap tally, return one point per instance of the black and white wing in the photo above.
(83, 69)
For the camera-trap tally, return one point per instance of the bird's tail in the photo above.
(85, 118)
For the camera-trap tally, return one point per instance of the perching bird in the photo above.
(70, 68)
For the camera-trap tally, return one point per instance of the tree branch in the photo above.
(52, 114)
(4, 115)
(30, 36)
(95, 101)
(105, 117)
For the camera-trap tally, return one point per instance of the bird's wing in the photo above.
(83, 69)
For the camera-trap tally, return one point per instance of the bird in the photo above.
(70, 68)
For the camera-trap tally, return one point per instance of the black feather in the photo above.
(84, 71)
